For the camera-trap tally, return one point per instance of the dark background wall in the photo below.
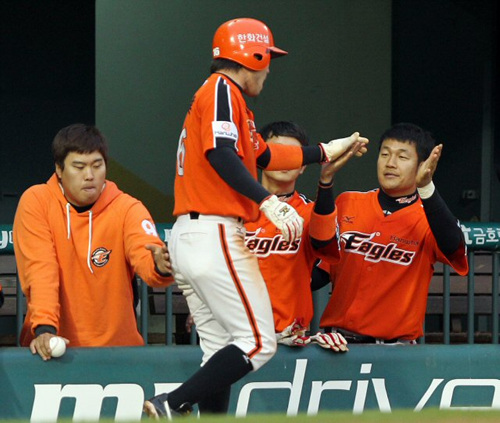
(47, 79)
(443, 77)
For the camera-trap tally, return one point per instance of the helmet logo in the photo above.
(253, 37)
(216, 51)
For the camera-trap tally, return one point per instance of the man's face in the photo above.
(83, 177)
(397, 167)
(283, 176)
(254, 81)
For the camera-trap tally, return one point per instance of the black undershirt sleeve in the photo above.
(39, 330)
(264, 159)
(443, 224)
(324, 200)
(230, 168)
(310, 154)
(319, 278)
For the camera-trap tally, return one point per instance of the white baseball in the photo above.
(57, 346)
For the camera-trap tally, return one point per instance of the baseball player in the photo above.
(286, 267)
(390, 239)
(216, 191)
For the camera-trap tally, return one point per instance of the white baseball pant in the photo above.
(223, 286)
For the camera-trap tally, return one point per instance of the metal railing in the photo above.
(480, 238)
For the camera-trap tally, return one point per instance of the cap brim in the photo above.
(277, 52)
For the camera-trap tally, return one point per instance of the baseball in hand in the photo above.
(57, 346)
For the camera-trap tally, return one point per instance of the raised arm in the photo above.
(443, 224)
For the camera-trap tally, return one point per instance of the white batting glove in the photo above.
(335, 148)
(294, 335)
(284, 217)
(295, 341)
(333, 341)
(296, 328)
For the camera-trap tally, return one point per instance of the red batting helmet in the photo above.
(246, 41)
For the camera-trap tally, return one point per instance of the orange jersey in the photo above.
(76, 268)
(218, 111)
(386, 265)
(286, 267)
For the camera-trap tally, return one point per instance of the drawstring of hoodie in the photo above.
(68, 221)
(90, 242)
(68, 228)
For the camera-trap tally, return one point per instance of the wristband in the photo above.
(325, 186)
(427, 191)
(162, 274)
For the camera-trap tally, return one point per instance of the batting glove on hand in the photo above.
(293, 335)
(333, 341)
(295, 341)
(335, 148)
(296, 328)
(284, 217)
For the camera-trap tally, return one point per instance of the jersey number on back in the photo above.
(181, 153)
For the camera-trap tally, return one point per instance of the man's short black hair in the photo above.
(78, 138)
(284, 129)
(413, 134)
(224, 64)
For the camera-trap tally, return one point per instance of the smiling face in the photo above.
(397, 167)
(82, 177)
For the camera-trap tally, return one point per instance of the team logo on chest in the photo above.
(263, 247)
(100, 256)
(361, 243)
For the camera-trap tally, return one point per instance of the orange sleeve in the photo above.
(140, 230)
(36, 260)
(322, 226)
(285, 157)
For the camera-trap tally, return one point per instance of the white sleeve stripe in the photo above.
(223, 114)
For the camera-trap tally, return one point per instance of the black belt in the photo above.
(356, 338)
(196, 216)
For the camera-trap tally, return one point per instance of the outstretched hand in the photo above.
(161, 258)
(328, 170)
(427, 168)
(335, 148)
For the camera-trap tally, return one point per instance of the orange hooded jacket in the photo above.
(76, 268)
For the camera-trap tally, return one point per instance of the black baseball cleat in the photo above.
(157, 408)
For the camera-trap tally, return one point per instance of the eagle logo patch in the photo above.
(100, 256)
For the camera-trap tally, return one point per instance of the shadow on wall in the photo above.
(160, 205)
